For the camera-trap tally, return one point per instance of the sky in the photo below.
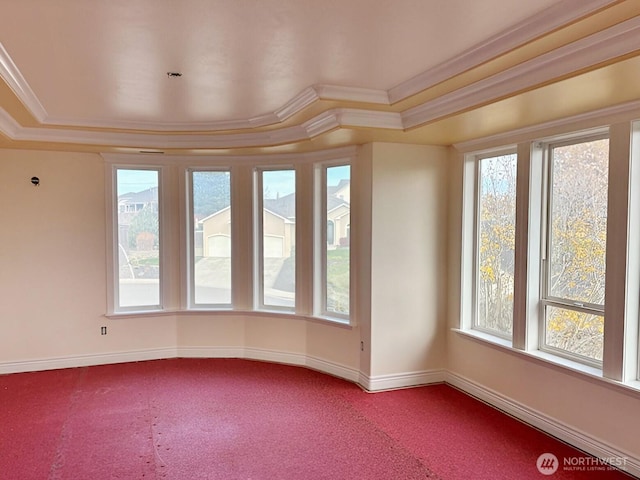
(279, 182)
(136, 180)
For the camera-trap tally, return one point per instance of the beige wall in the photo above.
(408, 259)
(52, 257)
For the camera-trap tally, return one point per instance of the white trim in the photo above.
(550, 425)
(379, 383)
(332, 368)
(368, 118)
(74, 361)
(352, 94)
(8, 125)
(546, 21)
(340, 154)
(298, 103)
(13, 77)
(585, 53)
(323, 123)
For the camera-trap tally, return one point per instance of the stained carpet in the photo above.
(190, 419)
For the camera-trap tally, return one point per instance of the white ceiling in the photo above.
(106, 62)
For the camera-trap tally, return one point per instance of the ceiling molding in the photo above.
(628, 109)
(8, 126)
(369, 118)
(544, 22)
(298, 103)
(595, 49)
(352, 94)
(13, 77)
(194, 160)
(318, 125)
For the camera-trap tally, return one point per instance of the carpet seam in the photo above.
(65, 431)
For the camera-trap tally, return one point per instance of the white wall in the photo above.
(52, 263)
(408, 259)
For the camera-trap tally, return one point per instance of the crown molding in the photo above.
(527, 30)
(13, 77)
(595, 49)
(330, 154)
(318, 125)
(352, 94)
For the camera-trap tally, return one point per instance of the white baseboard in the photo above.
(553, 427)
(86, 360)
(288, 358)
(379, 383)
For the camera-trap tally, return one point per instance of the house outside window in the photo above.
(138, 240)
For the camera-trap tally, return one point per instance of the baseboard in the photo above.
(288, 358)
(332, 368)
(86, 360)
(379, 383)
(553, 427)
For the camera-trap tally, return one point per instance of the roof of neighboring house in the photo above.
(332, 189)
(285, 206)
(150, 195)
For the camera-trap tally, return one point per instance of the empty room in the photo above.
(358, 239)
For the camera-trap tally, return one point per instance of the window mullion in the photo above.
(621, 293)
(525, 215)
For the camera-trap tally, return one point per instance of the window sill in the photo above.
(564, 365)
(336, 322)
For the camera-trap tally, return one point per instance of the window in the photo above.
(335, 240)
(226, 234)
(137, 239)
(574, 259)
(210, 238)
(276, 239)
(495, 244)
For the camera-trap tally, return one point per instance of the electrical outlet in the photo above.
(103, 330)
(362, 346)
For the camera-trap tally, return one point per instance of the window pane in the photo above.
(211, 238)
(278, 238)
(576, 256)
(575, 332)
(138, 239)
(496, 243)
(338, 233)
(578, 221)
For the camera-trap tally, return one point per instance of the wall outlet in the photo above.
(103, 330)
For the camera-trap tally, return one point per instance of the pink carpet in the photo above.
(189, 419)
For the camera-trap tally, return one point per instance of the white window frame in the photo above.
(320, 243)
(190, 253)
(546, 300)
(258, 241)
(113, 280)
(475, 161)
